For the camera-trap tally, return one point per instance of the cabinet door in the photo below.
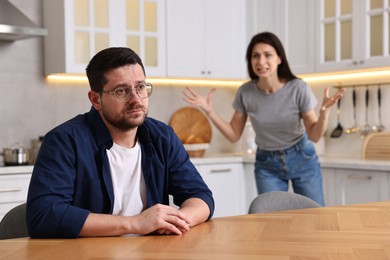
(225, 182)
(206, 38)
(376, 41)
(77, 30)
(250, 183)
(186, 52)
(352, 34)
(144, 27)
(225, 31)
(294, 23)
(355, 186)
(329, 186)
(13, 191)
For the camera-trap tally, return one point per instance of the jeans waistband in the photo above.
(296, 146)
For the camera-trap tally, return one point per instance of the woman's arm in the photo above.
(233, 130)
(316, 127)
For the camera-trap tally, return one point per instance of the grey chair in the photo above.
(280, 200)
(13, 225)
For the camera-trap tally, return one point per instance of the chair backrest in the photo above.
(13, 225)
(280, 200)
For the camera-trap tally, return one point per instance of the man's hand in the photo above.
(161, 219)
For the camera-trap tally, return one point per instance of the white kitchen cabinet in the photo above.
(353, 186)
(77, 30)
(357, 186)
(13, 190)
(294, 24)
(206, 38)
(225, 180)
(329, 186)
(352, 34)
(249, 184)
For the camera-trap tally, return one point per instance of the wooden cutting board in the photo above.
(191, 125)
(377, 146)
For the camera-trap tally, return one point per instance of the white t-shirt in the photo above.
(127, 179)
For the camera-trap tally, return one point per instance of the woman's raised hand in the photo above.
(203, 102)
(327, 101)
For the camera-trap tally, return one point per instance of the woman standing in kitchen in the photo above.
(281, 109)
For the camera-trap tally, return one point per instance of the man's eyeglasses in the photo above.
(122, 94)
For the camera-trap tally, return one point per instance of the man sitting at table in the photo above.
(110, 171)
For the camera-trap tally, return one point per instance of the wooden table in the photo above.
(346, 232)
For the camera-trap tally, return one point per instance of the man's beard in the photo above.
(124, 123)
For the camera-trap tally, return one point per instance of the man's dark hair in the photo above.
(107, 60)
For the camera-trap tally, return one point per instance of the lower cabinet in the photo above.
(353, 186)
(341, 186)
(13, 191)
(226, 182)
(249, 184)
(233, 185)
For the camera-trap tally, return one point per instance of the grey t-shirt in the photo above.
(276, 117)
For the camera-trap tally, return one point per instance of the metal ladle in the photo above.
(338, 131)
(366, 128)
(380, 127)
(355, 127)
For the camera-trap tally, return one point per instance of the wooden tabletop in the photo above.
(346, 232)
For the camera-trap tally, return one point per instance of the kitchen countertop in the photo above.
(4, 170)
(326, 162)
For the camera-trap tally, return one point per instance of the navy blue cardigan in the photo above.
(71, 177)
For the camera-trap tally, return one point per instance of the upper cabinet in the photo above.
(294, 24)
(352, 34)
(78, 29)
(206, 38)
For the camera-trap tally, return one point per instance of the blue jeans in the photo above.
(299, 163)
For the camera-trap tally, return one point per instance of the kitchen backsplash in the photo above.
(31, 106)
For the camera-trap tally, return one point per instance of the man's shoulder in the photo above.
(77, 122)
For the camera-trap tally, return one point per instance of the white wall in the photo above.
(30, 106)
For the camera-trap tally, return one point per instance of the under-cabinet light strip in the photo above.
(366, 75)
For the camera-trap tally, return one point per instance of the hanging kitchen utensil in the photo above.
(365, 129)
(355, 126)
(338, 131)
(380, 127)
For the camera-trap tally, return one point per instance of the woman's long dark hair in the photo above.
(284, 71)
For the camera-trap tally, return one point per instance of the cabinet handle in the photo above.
(220, 170)
(10, 189)
(357, 177)
(355, 62)
(203, 72)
